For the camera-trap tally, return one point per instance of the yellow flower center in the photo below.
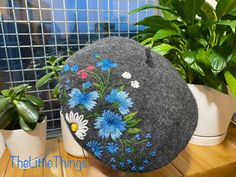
(74, 127)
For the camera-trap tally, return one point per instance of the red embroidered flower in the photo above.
(82, 74)
(90, 68)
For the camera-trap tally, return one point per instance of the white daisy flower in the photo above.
(126, 75)
(77, 124)
(135, 84)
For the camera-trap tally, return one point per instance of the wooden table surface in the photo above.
(194, 161)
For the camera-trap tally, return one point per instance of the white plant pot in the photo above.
(70, 145)
(26, 145)
(215, 111)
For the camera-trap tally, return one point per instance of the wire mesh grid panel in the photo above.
(33, 30)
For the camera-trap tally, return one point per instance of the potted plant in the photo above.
(54, 66)
(22, 124)
(200, 41)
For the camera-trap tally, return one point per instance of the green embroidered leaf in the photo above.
(122, 88)
(130, 116)
(133, 130)
(133, 123)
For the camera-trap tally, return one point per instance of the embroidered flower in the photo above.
(113, 160)
(135, 84)
(148, 135)
(66, 68)
(90, 68)
(153, 154)
(137, 137)
(128, 150)
(122, 164)
(86, 85)
(110, 124)
(126, 75)
(134, 168)
(68, 85)
(106, 64)
(129, 161)
(82, 74)
(77, 124)
(141, 168)
(95, 148)
(75, 68)
(113, 166)
(85, 99)
(121, 99)
(112, 147)
(146, 161)
(149, 144)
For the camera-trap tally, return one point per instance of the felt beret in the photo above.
(126, 105)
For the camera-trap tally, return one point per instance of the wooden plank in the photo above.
(52, 150)
(4, 162)
(72, 171)
(170, 171)
(13, 170)
(32, 172)
(155, 173)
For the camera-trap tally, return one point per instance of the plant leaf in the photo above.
(190, 57)
(20, 88)
(224, 7)
(6, 116)
(231, 23)
(43, 80)
(163, 49)
(218, 62)
(147, 6)
(26, 126)
(57, 61)
(56, 90)
(3, 103)
(163, 33)
(27, 111)
(191, 7)
(230, 77)
(34, 100)
(133, 130)
(208, 12)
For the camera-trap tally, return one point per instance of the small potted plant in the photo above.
(54, 66)
(22, 124)
(200, 41)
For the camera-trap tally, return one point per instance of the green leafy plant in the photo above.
(198, 39)
(18, 109)
(54, 67)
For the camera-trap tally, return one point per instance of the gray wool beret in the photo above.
(126, 105)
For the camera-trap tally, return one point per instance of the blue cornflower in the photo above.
(113, 160)
(129, 161)
(75, 68)
(134, 168)
(141, 168)
(106, 64)
(148, 135)
(86, 85)
(137, 137)
(146, 161)
(95, 147)
(128, 150)
(112, 147)
(120, 98)
(153, 154)
(110, 124)
(148, 144)
(122, 164)
(85, 99)
(66, 68)
(113, 166)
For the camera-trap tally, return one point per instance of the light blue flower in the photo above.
(95, 147)
(112, 147)
(110, 124)
(134, 168)
(85, 99)
(122, 164)
(129, 161)
(120, 98)
(148, 144)
(148, 135)
(87, 85)
(106, 64)
(146, 161)
(137, 137)
(113, 160)
(75, 68)
(153, 154)
(141, 168)
(128, 150)
(66, 68)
